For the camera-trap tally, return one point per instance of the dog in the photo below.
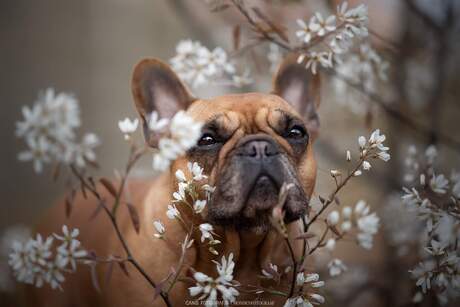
(250, 145)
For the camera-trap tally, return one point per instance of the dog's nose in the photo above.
(259, 148)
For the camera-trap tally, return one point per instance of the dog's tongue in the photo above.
(262, 197)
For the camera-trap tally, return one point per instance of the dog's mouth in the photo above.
(261, 198)
(245, 197)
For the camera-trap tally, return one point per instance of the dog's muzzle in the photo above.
(249, 184)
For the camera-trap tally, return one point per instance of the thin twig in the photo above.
(404, 119)
(294, 264)
(122, 240)
(239, 5)
(331, 198)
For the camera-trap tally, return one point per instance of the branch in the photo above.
(115, 225)
(447, 140)
(331, 198)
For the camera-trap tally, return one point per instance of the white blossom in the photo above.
(209, 287)
(362, 142)
(364, 66)
(423, 274)
(346, 226)
(344, 26)
(185, 132)
(196, 170)
(330, 244)
(38, 153)
(155, 123)
(180, 176)
(199, 205)
(206, 231)
(308, 283)
(368, 225)
(366, 166)
(439, 184)
(69, 253)
(305, 33)
(160, 229)
(198, 65)
(346, 212)
(273, 270)
(321, 26)
(240, 80)
(333, 218)
(128, 126)
(34, 261)
(172, 212)
(336, 267)
(49, 130)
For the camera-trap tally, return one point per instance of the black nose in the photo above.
(258, 148)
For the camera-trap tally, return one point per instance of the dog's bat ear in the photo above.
(300, 88)
(156, 87)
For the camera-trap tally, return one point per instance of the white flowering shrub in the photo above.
(197, 65)
(430, 203)
(39, 261)
(336, 32)
(49, 130)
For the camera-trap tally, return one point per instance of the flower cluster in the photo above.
(49, 130)
(366, 223)
(338, 30)
(372, 148)
(183, 134)
(193, 194)
(306, 285)
(433, 200)
(208, 287)
(364, 67)
(197, 65)
(336, 267)
(33, 262)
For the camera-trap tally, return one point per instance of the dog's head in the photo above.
(251, 143)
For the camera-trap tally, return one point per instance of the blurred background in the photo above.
(89, 48)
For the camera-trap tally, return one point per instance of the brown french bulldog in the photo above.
(251, 144)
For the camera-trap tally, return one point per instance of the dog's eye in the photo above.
(207, 139)
(296, 132)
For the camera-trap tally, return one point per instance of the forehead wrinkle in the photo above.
(269, 128)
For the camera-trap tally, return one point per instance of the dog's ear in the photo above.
(156, 87)
(300, 88)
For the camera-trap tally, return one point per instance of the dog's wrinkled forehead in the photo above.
(250, 113)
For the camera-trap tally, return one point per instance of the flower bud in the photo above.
(330, 244)
(346, 211)
(333, 218)
(335, 173)
(346, 226)
(348, 156)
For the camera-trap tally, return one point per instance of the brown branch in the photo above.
(115, 225)
(331, 198)
(320, 242)
(404, 119)
(239, 5)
